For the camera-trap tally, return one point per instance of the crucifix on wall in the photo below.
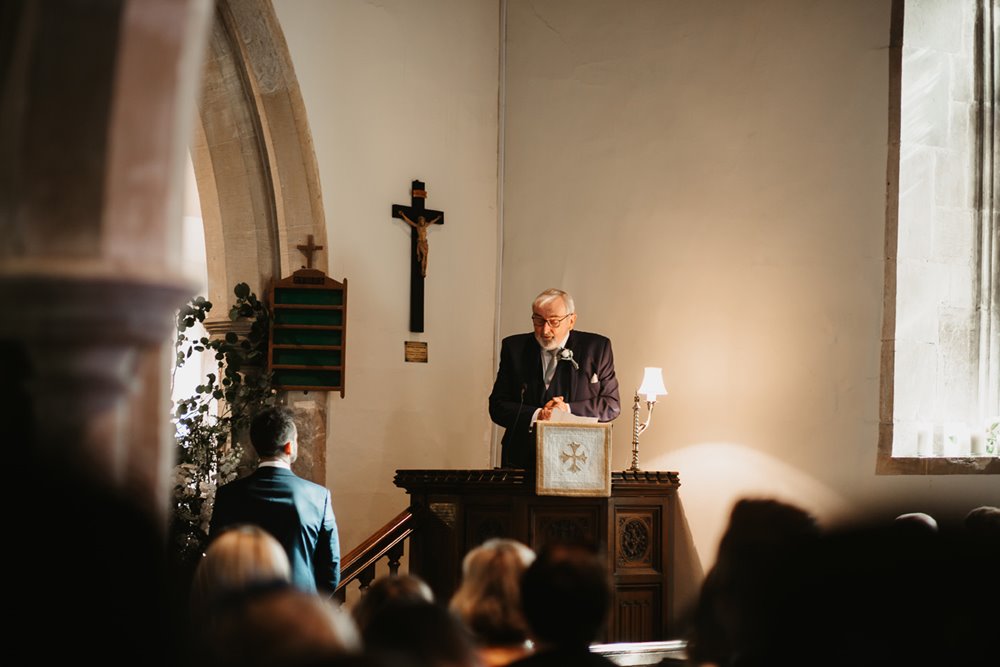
(419, 219)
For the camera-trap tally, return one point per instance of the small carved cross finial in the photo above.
(308, 249)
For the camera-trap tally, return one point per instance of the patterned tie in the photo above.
(550, 366)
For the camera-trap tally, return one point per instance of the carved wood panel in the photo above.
(484, 523)
(637, 539)
(637, 613)
(563, 524)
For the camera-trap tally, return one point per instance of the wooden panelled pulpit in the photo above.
(457, 510)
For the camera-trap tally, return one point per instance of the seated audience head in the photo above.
(240, 558)
(387, 592)
(863, 594)
(274, 435)
(878, 595)
(565, 594)
(489, 598)
(420, 633)
(983, 521)
(763, 525)
(279, 626)
(917, 521)
(762, 542)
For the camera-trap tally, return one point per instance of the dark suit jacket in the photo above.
(296, 512)
(519, 389)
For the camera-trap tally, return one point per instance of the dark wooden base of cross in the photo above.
(415, 213)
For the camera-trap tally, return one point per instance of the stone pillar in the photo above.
(84, 334)
(95, 115)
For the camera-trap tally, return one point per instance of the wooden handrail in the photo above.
(363, 557)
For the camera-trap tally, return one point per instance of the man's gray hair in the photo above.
(552, 294)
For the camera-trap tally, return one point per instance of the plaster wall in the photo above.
(708, 180)
(396, 91)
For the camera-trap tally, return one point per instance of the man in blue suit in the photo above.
(554, 368)
(295, 511)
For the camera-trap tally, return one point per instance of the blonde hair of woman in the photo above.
(489, 599)
(239, 559)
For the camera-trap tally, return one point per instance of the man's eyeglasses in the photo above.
(553, 322)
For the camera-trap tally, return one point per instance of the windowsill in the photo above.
(888, 464)
(931, 465)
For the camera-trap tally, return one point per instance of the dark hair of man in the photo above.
(983, 521)
(270, 430)
(565, 595)
(387, 592)
(424, 632)
(756, 568)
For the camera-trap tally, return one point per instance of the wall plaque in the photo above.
(415, 352)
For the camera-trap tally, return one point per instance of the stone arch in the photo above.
(257, 178)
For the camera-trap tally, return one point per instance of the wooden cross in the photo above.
(419, 219)
(308, 249)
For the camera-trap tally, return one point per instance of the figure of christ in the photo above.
(423, 248)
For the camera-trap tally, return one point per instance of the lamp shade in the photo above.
(652, 384)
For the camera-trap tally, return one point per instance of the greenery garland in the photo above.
(211, 425)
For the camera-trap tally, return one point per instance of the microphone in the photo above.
(524, 387)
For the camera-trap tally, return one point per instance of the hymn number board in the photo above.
(308, 332)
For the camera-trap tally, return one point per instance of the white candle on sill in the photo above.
(937, 447)
(979, 444)
(924, 442)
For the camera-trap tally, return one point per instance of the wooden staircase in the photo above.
(386, 542)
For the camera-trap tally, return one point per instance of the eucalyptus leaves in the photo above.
(210, 425)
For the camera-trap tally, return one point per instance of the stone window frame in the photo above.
(986, 248)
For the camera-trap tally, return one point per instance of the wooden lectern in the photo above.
(456, 510)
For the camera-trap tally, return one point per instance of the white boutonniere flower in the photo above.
(567, 355)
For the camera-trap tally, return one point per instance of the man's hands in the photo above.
(557, 403)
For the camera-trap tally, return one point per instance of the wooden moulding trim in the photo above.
(500, 476)
(509, 477)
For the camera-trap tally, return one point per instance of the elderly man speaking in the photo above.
(554, 368)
